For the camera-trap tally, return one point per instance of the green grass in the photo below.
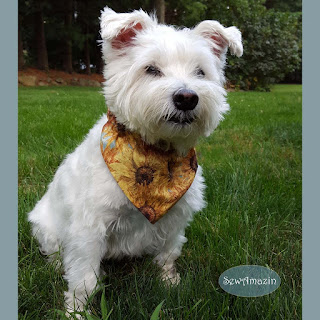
(252, 166)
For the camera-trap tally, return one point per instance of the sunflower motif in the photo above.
(152, 179)
(144, 175)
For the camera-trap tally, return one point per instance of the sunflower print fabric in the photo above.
(152, 179)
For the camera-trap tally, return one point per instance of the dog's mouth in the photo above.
(180, 120)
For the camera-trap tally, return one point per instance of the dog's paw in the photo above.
(73, 306)
(171, 277)
(172, 281)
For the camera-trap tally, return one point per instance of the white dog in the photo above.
(166, 85)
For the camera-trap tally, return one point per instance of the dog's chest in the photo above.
(131, 234)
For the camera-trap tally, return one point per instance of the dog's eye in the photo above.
(200, 73)
(153, 70)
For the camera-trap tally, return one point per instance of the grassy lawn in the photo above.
(252, 166)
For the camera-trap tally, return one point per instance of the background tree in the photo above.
(186, 13)
(21, 62)
(160, 7)
(87, 36)
(40, 40)
(296, 7)
(68, 17)
(285, 6)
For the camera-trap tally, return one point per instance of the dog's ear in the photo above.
(220, 38)
(121, 28)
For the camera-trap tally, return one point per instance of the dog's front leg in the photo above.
(167, 257)
(81, 257)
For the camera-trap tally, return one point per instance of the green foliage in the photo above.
(271, 49)
(156, 312)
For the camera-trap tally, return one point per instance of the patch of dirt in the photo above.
(35, 77)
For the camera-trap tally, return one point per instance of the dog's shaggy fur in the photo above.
(84, 212)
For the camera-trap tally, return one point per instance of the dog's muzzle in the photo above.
(184, 100)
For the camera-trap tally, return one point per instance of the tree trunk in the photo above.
(68, 39)
(42, 55)
(86, 44)
(87, 56)
(161, 10)
(269, 4)
(21, 61)
(99, 61)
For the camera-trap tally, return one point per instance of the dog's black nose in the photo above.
(185, 99)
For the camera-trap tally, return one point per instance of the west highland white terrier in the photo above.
(133, 185)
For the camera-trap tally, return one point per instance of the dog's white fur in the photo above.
(84, 212)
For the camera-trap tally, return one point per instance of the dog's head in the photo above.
(163, 82)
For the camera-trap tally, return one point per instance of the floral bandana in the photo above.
(152, 179)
